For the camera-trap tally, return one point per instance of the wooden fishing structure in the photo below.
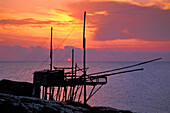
(66, 84)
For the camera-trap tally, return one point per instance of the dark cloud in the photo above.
(28, 21)
(125, 21)
(18, 53)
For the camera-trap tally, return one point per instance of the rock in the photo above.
(21, 104)
(16, 87)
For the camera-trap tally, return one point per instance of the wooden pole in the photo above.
(72, 91)
(51, 61)
(105, 75)
(84, 57)
(51, 50)
(72, 63)
(126, 67)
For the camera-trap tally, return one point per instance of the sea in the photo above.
(146, 91)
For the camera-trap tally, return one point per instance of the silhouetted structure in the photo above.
(66, 84)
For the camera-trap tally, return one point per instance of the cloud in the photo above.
(22, 40)
(18, 53)
(6, 10)
(163, 4)
(1, 40)
(27, 21)
(125, 20)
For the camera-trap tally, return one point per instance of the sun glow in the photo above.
(61, 16)
(69, 59)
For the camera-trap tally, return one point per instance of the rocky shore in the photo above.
(22, 104)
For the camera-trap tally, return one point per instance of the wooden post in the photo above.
(75, 70)
(72, 87)
(45, 96)
(72, 63)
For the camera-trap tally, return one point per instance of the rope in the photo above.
(60, 44)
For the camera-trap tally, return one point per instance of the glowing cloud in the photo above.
(105, 13)
(61, 16)
(1, 40)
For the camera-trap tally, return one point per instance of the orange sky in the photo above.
(144, 27)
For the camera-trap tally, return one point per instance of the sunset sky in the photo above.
(140, 27)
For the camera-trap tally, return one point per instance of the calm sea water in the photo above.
(147, 91)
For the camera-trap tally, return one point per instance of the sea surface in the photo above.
(146, 91)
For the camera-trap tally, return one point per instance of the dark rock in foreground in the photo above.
(21, 104)
(16, 88)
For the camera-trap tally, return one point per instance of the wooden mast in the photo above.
(84, 58)
(51, 61)
(51, 50)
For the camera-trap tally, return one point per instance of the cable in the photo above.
(60, 44)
